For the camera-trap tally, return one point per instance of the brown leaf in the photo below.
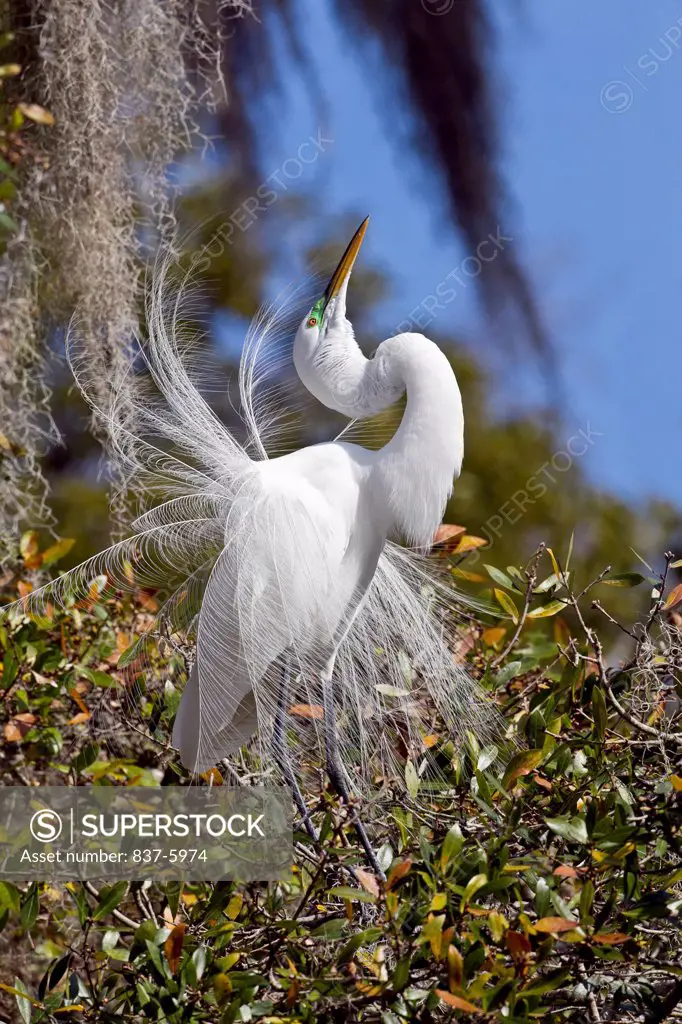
(518, 945)
(78, 719)
(565, 871)
(292, 993)
(457, 1002)
(315, 711)
(398, 872)
(17, 727)
(76, 697)
(446, 533)
(610, 938)
(172, 947)
(551, 925)
(213, 777)
(455, 967)
(367, 880)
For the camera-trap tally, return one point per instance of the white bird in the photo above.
(288, 570)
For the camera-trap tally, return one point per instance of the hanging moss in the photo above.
(124, 83)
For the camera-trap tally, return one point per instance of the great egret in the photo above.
(291, 562)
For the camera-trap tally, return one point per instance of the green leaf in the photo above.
(10, 897)
(10, 669)
(96, 677)
(472, 887)
(391, 691)
(599, 711)
(500, 577)
(365, 938)
(132, 652)
(451, 846)
(7, 170)
(110, 897)
(7, 223)
(411, 779)
(548, 983)
(506, 602)
(346, 892)
(624, 579)
(87, 756)
(548, 584)
(29, 907)
(23, 1003)
(572, 829)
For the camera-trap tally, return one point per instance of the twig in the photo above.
(531, 576)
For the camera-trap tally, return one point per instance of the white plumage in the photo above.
(295, 560)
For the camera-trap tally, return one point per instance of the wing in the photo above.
(282, 583)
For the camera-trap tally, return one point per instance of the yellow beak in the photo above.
(342, 272)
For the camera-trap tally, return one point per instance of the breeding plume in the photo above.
(303, 577)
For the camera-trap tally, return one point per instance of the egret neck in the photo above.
(417, 468)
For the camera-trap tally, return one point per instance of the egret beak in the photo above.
(339, 279)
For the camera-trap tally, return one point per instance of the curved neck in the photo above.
(335, 370)
(418, 466)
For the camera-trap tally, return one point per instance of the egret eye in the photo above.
(312, 322)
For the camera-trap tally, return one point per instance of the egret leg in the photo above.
(281, 750)
(335, 769)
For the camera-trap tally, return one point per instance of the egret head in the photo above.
(331, 307)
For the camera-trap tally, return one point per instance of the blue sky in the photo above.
(590, 112)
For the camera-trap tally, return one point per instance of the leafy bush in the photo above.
(542, 886)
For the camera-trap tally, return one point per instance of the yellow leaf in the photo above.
(552, 925)
(493, 636)
(455, 967)
(58, 550)
(555, 564)
(463, 574)
(674, 597)
(36, 113)
(547, 610)
(234, 906)
(439, 901)
(676, 782)
(28, 545)
(507, 603)
(469, 543)
(213, 777)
